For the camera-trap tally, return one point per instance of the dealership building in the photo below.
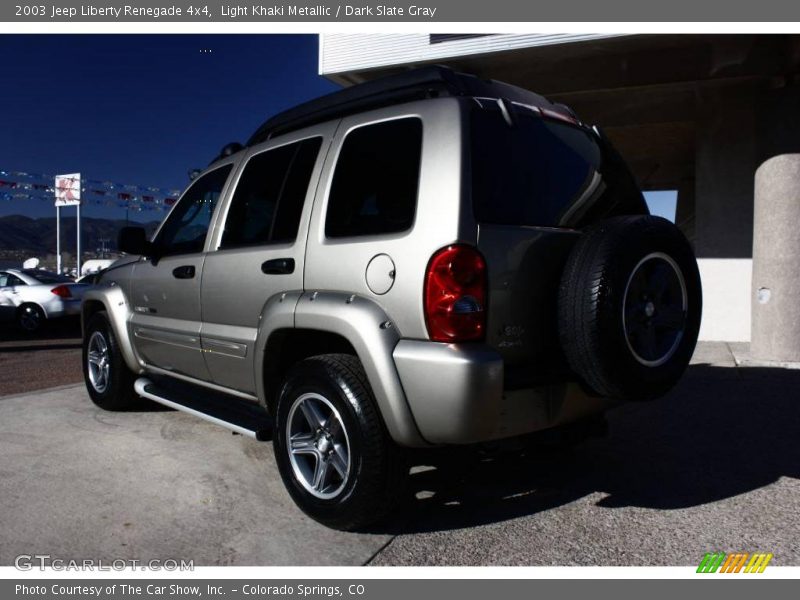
(714, 117)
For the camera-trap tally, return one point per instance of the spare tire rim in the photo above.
(318, 446)
(654, 309)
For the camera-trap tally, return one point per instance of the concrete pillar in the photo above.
(776, 266)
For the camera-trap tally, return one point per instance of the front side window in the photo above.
(374, 188)
(184, 231)
(269, 197)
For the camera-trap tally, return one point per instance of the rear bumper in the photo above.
(455, 393)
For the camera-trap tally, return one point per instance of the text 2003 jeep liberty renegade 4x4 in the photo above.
(423, 260)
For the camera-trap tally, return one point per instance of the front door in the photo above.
(165, 326)
(259, 251)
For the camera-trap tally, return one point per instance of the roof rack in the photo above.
(416, 84)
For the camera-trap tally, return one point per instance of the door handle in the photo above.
(278, 266)
(184, 272)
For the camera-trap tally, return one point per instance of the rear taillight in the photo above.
(62, 291)
(455, 295)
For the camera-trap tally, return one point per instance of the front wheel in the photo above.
(332, 449)
(108, 379)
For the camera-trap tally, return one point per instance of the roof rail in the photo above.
(416, 84)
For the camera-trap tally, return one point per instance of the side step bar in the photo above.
(230, 412)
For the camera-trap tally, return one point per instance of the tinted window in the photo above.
(45, 276)
(374, 189)
(531, 173)
(269, 197)
(185, 229)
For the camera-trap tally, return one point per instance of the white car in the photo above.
(38, 295)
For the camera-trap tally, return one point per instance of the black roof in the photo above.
(416, 84)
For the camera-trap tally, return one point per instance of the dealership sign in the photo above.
(68, 189)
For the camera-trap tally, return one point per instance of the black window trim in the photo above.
(396, 235)
(234, 185)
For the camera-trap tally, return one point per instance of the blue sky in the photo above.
(141, 109)
(145, 109)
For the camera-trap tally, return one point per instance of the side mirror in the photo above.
(133, 240)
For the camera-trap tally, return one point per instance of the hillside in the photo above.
(38, 236)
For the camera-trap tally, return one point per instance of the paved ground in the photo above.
(34, 362)
(714, 466)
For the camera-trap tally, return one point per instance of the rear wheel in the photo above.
(630, 303)
(30, 317)
(333, 452)
(108, 379)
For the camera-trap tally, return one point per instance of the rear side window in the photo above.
(532, 173)
(374, 189)
(268, 201)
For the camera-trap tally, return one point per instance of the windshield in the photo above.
(538, 172)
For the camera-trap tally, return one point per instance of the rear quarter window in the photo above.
(531, 173)
(374, 188)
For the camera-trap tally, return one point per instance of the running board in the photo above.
(240, 416)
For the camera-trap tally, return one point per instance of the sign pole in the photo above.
(68, 193)
(79, 239)
(58, 239)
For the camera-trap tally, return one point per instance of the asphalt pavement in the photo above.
(713, 466)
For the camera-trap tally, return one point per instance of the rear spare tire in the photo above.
(630, 303)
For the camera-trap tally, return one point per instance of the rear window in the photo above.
(533, 173)
(374, 189)
(46, 276)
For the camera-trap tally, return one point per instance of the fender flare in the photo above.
(366, 327)
(116, 306)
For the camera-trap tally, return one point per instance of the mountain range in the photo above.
(38, 236)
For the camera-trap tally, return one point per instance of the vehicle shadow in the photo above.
(65, 328)
(720, 433)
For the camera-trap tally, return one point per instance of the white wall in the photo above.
(345, 52)
(726, 299)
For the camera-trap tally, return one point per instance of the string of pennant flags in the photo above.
(19, 185)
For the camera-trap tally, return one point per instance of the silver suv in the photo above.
(420, 261)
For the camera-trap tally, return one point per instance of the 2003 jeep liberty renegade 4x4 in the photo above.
(424, 260)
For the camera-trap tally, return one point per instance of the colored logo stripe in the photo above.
(734, 563)
(758, 562)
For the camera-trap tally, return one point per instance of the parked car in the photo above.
(39, 295)
(421, 261)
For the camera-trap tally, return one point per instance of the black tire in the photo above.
(117, 394)
(627, 324)
(30, 317)
(377, 472)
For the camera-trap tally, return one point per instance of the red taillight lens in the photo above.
(455, 295)
(62, 291)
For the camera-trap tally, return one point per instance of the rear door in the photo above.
(165, 325)
(532, 183)
(258, 250)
